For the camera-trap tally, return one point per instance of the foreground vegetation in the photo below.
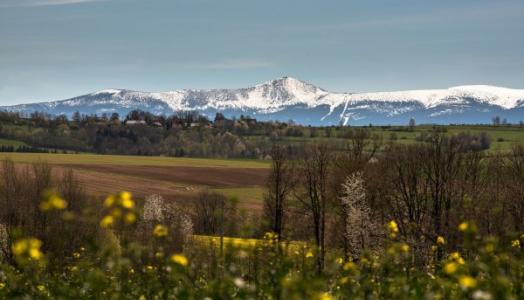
(441, 218)
(110, 265)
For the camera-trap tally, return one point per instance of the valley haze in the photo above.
(288, 98)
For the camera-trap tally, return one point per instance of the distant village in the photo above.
(187, 120)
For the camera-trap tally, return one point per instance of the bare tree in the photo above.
(213, 214)
(315, 198)
(280, 183)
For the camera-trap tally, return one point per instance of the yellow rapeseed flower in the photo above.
(52, 201)
(350, 266)
(110, 200)
(454, 255)
(19, 247)
(107, 221)
(127, 202)
(467, 282)
(393, 228)
(130, 218)
(450, 267)
(323, 296)
(463, 226)
(515, 244)
(35, 253)
(440, 240)
(160, 231)
(179, 259)
(29, 247)
(57, 202)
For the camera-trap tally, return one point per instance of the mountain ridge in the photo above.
(289, 98)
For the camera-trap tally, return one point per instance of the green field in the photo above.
(502, 137)
(14, 143)
(74, 159)
(251, 194)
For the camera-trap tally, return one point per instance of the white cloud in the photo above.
(15, 3)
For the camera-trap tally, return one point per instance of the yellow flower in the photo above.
(344, 280)
(309, 254)
(350, 266)
(515, 244)
(35, 253)
(441, 241)
(323, 296)
(160, 231)
(52, 201)
(455, 255)
(41, 288)
(110, 200)
(107, 221)
(393, 228)
(19, 247)
(467, 282)
(179, 259)
(76, 255)
(463, 226)
(339, 260)
(450, 268)
(149, 268)
(57, 202)
(2, 285)
(130, 218)
(29, 247)
(142, 297)
(404, 247)
(127, 202)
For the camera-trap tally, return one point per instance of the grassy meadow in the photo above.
(128, 160)
(14, 143)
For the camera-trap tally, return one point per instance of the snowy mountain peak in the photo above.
(290, 98)
(107, 91)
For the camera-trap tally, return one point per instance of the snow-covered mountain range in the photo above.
(291, 99)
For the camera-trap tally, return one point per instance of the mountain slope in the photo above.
(288, 98)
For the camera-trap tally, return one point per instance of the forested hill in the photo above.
(193, 135)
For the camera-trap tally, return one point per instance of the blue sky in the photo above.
(55, 49)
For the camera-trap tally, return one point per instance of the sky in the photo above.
(58, 49)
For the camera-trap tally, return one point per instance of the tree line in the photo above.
(428, 188)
